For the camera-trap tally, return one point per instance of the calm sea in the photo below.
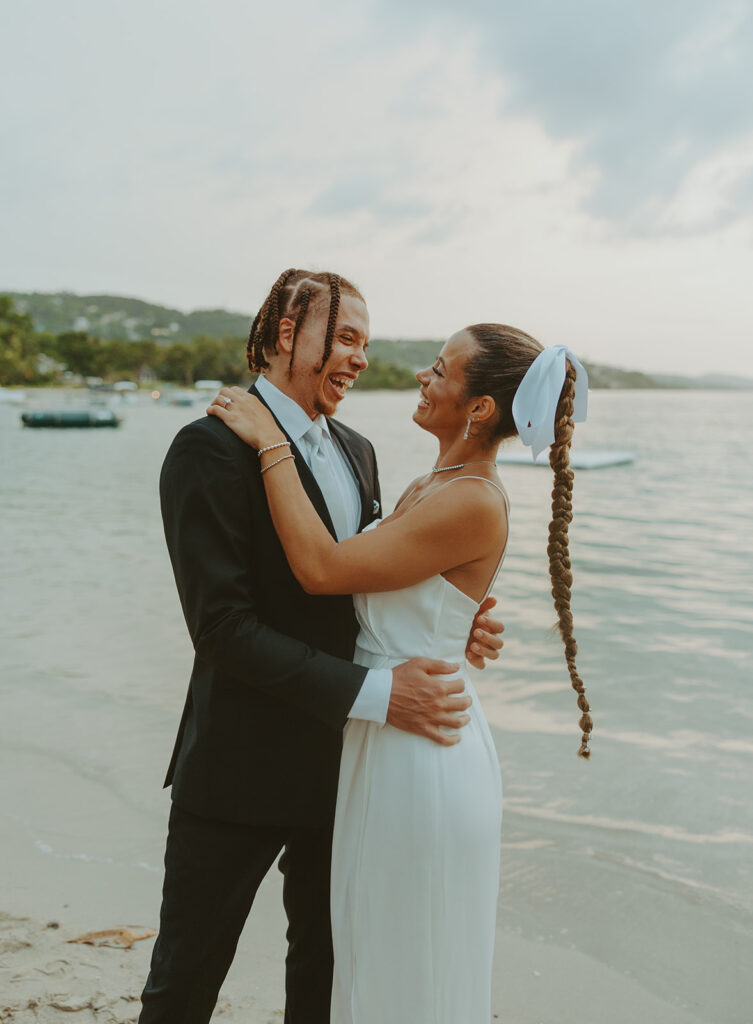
(642, 856)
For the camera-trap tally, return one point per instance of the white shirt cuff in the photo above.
(374, 696)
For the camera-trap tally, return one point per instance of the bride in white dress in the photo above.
(415, 861)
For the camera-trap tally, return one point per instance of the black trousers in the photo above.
(212, 872)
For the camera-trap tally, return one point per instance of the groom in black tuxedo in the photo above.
(255, 766)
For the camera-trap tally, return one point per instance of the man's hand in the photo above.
(422, 701)
(484, 643)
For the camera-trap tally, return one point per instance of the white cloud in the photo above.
(649, 89)
(189, 153)
(710, 192)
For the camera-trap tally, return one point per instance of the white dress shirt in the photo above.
(374, 696)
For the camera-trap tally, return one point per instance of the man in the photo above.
(255, 766)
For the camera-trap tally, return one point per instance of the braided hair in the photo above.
(334, 306)
(291, 296)
(502, 357)
(560, 567)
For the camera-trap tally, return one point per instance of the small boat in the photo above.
(593, 459)
(127, 391)
(182, 398)
(71, 418)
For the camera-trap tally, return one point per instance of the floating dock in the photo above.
(578, 459)
(69, 418)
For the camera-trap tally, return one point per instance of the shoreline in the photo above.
(107, 874)
(167, 386)
(46, 978)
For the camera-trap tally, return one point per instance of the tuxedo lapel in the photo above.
(308, 479)
(357, 463)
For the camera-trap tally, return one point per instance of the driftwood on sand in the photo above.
(118, 938)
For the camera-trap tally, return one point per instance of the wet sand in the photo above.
(80, 855)
(44, 978)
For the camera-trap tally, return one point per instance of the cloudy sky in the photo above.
(583, 170)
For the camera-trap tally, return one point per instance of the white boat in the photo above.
(127, 391)
(587, 459)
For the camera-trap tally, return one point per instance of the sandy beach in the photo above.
(52, 891)
(45, 978)
(625, 887)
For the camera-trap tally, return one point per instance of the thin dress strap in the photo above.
(503, 492)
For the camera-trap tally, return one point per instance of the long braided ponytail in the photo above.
(503, 356)
(560, 567)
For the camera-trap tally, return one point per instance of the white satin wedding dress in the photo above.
(415, 859)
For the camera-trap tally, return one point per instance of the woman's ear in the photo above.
(285, 334)
(482, 410)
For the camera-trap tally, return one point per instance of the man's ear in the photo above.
(285, 334)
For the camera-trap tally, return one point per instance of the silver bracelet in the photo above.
(271, 447)
(277, 463)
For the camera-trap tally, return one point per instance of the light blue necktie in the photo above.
(321, 467)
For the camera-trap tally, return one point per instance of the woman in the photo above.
(415, 863)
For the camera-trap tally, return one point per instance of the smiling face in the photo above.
(320, 392)
(442, 404)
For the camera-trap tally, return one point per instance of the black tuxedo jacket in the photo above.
(272, 683)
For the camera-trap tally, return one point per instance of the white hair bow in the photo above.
(535, 403)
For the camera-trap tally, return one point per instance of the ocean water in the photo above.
(641, 858)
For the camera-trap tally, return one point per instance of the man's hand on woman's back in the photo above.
(423, 700)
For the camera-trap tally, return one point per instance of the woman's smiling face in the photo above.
(442, 398)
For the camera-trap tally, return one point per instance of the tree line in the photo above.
(29, 357)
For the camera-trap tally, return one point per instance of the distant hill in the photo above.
(707, 380)
(113, 317)
(413, 355)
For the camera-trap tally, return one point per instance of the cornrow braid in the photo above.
(274, 306)
(560, 567)
(334, 308)
(263, 333)
(305, 299)
(256, 361)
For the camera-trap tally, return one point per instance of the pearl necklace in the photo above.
(462, 465)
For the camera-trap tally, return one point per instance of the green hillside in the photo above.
(117, 319)
(114, 318)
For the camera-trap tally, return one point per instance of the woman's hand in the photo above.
(247, 417)
(484, 643)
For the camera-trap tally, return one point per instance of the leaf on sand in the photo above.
(118, 938)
